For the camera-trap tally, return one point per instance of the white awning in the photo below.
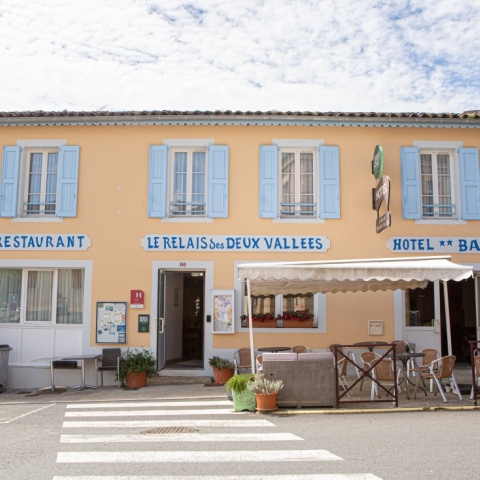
(349, 275)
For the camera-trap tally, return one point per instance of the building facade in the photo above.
(126, 229)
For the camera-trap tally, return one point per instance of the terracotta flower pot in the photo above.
(136, 379)
(266, 403)
(220, 376)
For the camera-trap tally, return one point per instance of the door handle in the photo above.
(161, 325)
(437, 325)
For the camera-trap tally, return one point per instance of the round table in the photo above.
(370, 345)
(274, 349)
(404, 358)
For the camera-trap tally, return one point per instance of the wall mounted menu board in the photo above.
(111, 322)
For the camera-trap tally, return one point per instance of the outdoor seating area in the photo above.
(364, 376)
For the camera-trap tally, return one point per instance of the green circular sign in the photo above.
(377, 162)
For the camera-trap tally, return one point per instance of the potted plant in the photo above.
(243, 398)
(135, 366)
(222, 369)
(265, 392)
(296, 319)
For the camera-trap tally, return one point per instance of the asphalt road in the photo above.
(78, 441)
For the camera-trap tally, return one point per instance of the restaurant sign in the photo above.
(382, 194)
(377, 162)
(35, 241)
(434, 244)
(235, 243)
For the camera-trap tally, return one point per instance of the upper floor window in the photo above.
(440, 184)
(39, 182)
(437, 185)
(188, 182)
(299, 183)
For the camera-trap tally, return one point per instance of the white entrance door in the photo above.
(421, 322)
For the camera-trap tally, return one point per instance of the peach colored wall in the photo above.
(112, 210)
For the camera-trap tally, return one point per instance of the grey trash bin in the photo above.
(4, 351)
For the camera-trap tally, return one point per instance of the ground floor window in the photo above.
(41, 295)
(282, 311)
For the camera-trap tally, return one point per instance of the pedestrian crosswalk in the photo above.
(103, 446)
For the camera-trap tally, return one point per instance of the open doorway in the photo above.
(461, 298)
(182, 341)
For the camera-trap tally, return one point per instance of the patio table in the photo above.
(51, 360)
(274, 349)
(404, 358)
(82, 359)
(370, 345)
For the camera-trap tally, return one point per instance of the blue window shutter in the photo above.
(268, 205)
(157, 181)
(217, 181)
(329, 171)
(10, 179)
(470, 183)
(67, 183)
(411, 183)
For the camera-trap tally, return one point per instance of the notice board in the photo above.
(111, 322)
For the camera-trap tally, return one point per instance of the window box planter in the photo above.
(298, 324)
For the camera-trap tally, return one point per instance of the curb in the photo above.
(376, 410)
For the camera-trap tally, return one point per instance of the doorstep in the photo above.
(154, 381)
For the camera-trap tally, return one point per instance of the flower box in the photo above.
(297, 323)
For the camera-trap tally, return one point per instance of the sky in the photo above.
(258, 55)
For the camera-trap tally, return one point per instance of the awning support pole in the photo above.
(447, 317)
(250, 325)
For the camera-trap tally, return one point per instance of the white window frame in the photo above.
(25, 176)
(24, 292)
(319, 309)
(454, 183)
(298, 151)
(189, 151)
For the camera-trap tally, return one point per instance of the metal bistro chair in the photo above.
(242, 359)
(367, 359)
(259, 363)
(383, 372)
(430, 355)
(440, 369)
(110, 360)
(341, 363)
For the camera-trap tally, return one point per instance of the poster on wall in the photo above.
(223, 316)
(111, 322)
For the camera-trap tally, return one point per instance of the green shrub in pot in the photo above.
(243, 399)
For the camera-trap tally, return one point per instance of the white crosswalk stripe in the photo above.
(86, 416)
(196, 457)
(168, 423)
(186, 437)
(316, 476)
(199, 403)
(154, 413)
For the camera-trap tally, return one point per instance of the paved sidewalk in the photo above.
(170, 392)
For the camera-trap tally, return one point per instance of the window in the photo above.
(420, 306)
(188, 189)
(188, 182)
(39, 182)
(440, 184)
(437, 195)
(295, 308)
(41, 296)
(299, 183)
(297, 195)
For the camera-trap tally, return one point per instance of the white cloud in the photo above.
(373, 55)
